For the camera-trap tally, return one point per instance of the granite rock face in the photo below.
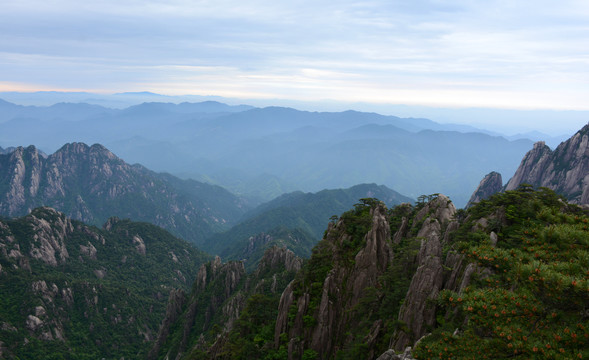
(491, 184)
(219, 295)
(341, 291)
(564, 170)
(418, 311)
(91, 184)
(68, 276)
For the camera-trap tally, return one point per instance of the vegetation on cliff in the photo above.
(69, 290)
(531, 300)
(228, 314)
(91, 184)
(505, 278)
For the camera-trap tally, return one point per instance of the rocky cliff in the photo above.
(345, 302)
(355, 287)
(201, 324)
(449, 285)
(315, 310)
(491, 184)
(64, 282)
(564, 170)
(91, 184)
(425, 281)
(418, 311)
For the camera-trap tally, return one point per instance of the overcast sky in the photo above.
(492, 53)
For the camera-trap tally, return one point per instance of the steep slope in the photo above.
(91, 184)
(564, 170)
(364, 280)
(507, 277)
(217, 313)
(491, 184)
(523, 292)
(493, 281)
(70, 290)
(315, 312)
(300, 216)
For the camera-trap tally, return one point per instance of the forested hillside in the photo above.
(507, 277)
(69, 290)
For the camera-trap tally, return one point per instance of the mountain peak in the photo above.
(539, 144)
(75, 147)
(563, 170)
(91, 184)
(492, 183)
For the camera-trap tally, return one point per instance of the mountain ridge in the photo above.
(298, 219)
(424, 280)
(74, 290)
(564, 170)
(312, 150)
(90, 183)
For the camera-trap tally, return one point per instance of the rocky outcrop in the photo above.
(139, 244)
(276, 258)
(532, 167)
(69, 276)
(216, 283)
(91, 184)
(418, 311)
(340, 292)
(219, 294)
(491, 184)
(392, 355)
(48, 243)
(176, 302)
(564, 170)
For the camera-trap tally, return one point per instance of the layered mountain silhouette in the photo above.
(261, 153)
(506, 277)
(295, 220)
(91, 184)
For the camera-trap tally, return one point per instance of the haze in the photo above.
(321, 55)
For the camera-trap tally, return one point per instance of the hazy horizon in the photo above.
(508, 122)
(370, 56)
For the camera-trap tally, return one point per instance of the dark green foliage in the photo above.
(252, 336)
(108, 317)
(533, 303)
(307, 213)
(297, 240)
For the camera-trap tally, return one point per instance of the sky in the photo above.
(509, 54)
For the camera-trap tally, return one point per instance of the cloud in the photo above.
(494, 53)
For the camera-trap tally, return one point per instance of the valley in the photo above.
(288, 261)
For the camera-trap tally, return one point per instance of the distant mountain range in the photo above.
(91, 184)
(555, 123)
(261, 153)
(295, 220)
(505, 277)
